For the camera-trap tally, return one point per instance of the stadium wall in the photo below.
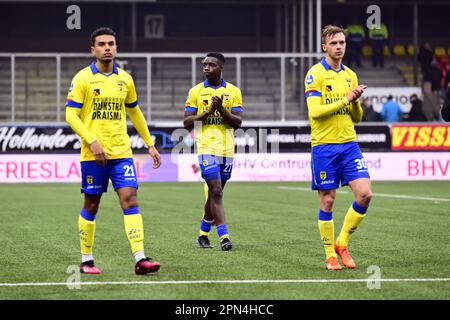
(392, 152)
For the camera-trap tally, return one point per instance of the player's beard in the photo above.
(104, 60)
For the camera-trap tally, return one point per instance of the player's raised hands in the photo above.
(216, 103)
(356, 93)
(99, 153)
(153, 152)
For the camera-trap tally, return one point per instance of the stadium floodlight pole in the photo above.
(302, 25)
(310, 31)
(193, 70)
(238, 70)
(286, 28)
(283, 88)
(415, 39)
(149, 89)
(133, 26)
(294, 26)
(318, 26)
(302, 49)
(13, 88)
(278, 31)
(58, 88)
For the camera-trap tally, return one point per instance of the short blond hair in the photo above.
(331, 30)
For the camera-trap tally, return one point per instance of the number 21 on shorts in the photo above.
(129, 171)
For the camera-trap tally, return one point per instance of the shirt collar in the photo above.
(94, 68)
(222, 84)
(328, 67)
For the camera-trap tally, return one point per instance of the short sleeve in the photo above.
(77, 92)
(237, 102)
(131, 101)
(190, 105)
(312, 84)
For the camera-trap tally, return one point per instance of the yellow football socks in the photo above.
(86, 230)
(355, 214)
(326, 228)
(134, 228)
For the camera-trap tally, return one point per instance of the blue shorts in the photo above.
(215, 167)
(332, 164)
(95, 178)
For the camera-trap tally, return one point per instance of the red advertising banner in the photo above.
(420, 137)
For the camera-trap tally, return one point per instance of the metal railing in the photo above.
(286, 73)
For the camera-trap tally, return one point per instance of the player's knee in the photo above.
(129, 201)
(91, 207)
(365, 197)
(216, 193)
(328, 202)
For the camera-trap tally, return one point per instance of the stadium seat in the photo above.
(399, 50)
(439, 51)
(448, 51)
(410, 50)
(386, 51)
(367, 50)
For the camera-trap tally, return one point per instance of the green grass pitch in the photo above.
(273, 227)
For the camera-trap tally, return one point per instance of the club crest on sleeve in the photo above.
(309, 79)
(89, 179)
(205, 162)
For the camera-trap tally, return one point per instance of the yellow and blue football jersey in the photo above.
(102, 100)
(215, 136)
(330, 116)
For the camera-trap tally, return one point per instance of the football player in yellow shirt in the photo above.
(99, 98)
(214, 107)
(332, 92)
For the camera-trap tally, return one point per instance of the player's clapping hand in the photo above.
(99, 153)
(153, 152)
(216, 103)
(356, 93)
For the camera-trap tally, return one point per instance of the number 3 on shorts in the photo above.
(361, 164)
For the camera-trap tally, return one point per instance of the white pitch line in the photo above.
(94, 283)
(385, 195)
